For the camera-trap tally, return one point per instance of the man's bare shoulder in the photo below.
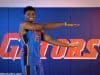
(36, 24)
(24, 23)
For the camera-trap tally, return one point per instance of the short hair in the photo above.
(28, 8)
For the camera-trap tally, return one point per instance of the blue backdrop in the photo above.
(89, 20)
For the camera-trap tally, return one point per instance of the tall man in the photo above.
(31, 36)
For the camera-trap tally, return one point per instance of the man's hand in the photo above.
(73, 44)
(71, 24)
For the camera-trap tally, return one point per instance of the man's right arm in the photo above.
(22, 31)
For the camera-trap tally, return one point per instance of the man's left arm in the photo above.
(58, 24)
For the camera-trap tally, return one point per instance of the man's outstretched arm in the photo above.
(57, 42)
(36, 26)
(58, 24)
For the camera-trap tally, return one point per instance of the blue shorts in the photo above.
(32, 69)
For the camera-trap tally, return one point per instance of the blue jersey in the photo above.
(33, 41)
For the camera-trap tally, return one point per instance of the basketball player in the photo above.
(31, 36)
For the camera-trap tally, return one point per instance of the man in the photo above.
(31, 34)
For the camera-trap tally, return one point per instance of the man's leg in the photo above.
(39, 69)
(33, 70)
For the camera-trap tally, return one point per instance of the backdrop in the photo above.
(83, 60)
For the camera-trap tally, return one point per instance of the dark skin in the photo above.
(26, 25)
(30, 25)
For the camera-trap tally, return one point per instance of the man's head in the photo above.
(29, 13)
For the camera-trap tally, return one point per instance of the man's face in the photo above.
(30, 15)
